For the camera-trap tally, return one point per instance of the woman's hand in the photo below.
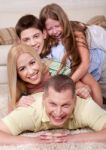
(25, 101)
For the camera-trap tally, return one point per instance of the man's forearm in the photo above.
(6, 138)
(88, 137)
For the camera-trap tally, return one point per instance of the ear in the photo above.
(44, 34)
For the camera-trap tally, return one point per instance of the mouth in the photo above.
(58, 119)
(58, 36)
(36, 48)
(34, 76)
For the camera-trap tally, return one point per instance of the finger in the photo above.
(60, 135)
(60, 140)
(46, 137)
(47, 134)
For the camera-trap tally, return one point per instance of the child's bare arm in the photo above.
(84, 55)
(95, 88)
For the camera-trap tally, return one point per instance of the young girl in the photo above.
(31, 32)
(67, 46)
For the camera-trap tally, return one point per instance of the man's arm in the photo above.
(99, 136)
(6, 137)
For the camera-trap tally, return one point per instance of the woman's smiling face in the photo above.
(28, 69)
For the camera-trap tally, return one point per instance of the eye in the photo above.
(21, 69)
(48, 29)
(52, 104)
(25, 40)
(32, 62)
(36, 35)
(66, 105)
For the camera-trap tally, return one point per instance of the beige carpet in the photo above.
(85, 146)
(53, 146)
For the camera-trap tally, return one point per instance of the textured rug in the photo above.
(53, 146)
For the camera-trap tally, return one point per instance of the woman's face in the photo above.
(54, 28)
(28, 69)
(34, 38)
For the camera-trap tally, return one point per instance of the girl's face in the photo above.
(28, 69)
(54, 28)
(34, 38)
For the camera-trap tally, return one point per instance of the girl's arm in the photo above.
(95, 88)
(84, 55)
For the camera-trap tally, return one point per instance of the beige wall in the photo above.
(82, 10)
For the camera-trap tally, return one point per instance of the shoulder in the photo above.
(90, 114)
(82, 103)
(95, 30)
(38, 97)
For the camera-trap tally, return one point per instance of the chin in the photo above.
(35, 82)
(57, 124)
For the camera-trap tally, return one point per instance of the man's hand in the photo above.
(52, 138)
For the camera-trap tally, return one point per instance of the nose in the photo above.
(33, 42)
(58, 111)
(30, 70)
(54, 30)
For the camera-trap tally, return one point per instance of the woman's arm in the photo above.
(24, 101)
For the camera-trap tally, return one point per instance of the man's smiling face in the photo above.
(59, 106)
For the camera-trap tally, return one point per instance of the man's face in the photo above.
(34, 38)
(59, 106)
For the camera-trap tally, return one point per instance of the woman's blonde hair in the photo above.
(16, 85)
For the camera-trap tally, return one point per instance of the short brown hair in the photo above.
(28, 21)
(59, 83)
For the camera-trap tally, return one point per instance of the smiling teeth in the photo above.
(58, 118)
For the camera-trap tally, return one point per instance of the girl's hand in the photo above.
(83, 90)
(25, 101)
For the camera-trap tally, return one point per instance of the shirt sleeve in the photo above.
(93, 115)
(19, 120)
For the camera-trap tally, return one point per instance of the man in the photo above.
(60, 108)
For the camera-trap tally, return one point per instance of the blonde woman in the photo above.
(24, 67)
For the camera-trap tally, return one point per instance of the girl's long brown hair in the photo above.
(55, 12)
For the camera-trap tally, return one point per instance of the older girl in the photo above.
(67, 46)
